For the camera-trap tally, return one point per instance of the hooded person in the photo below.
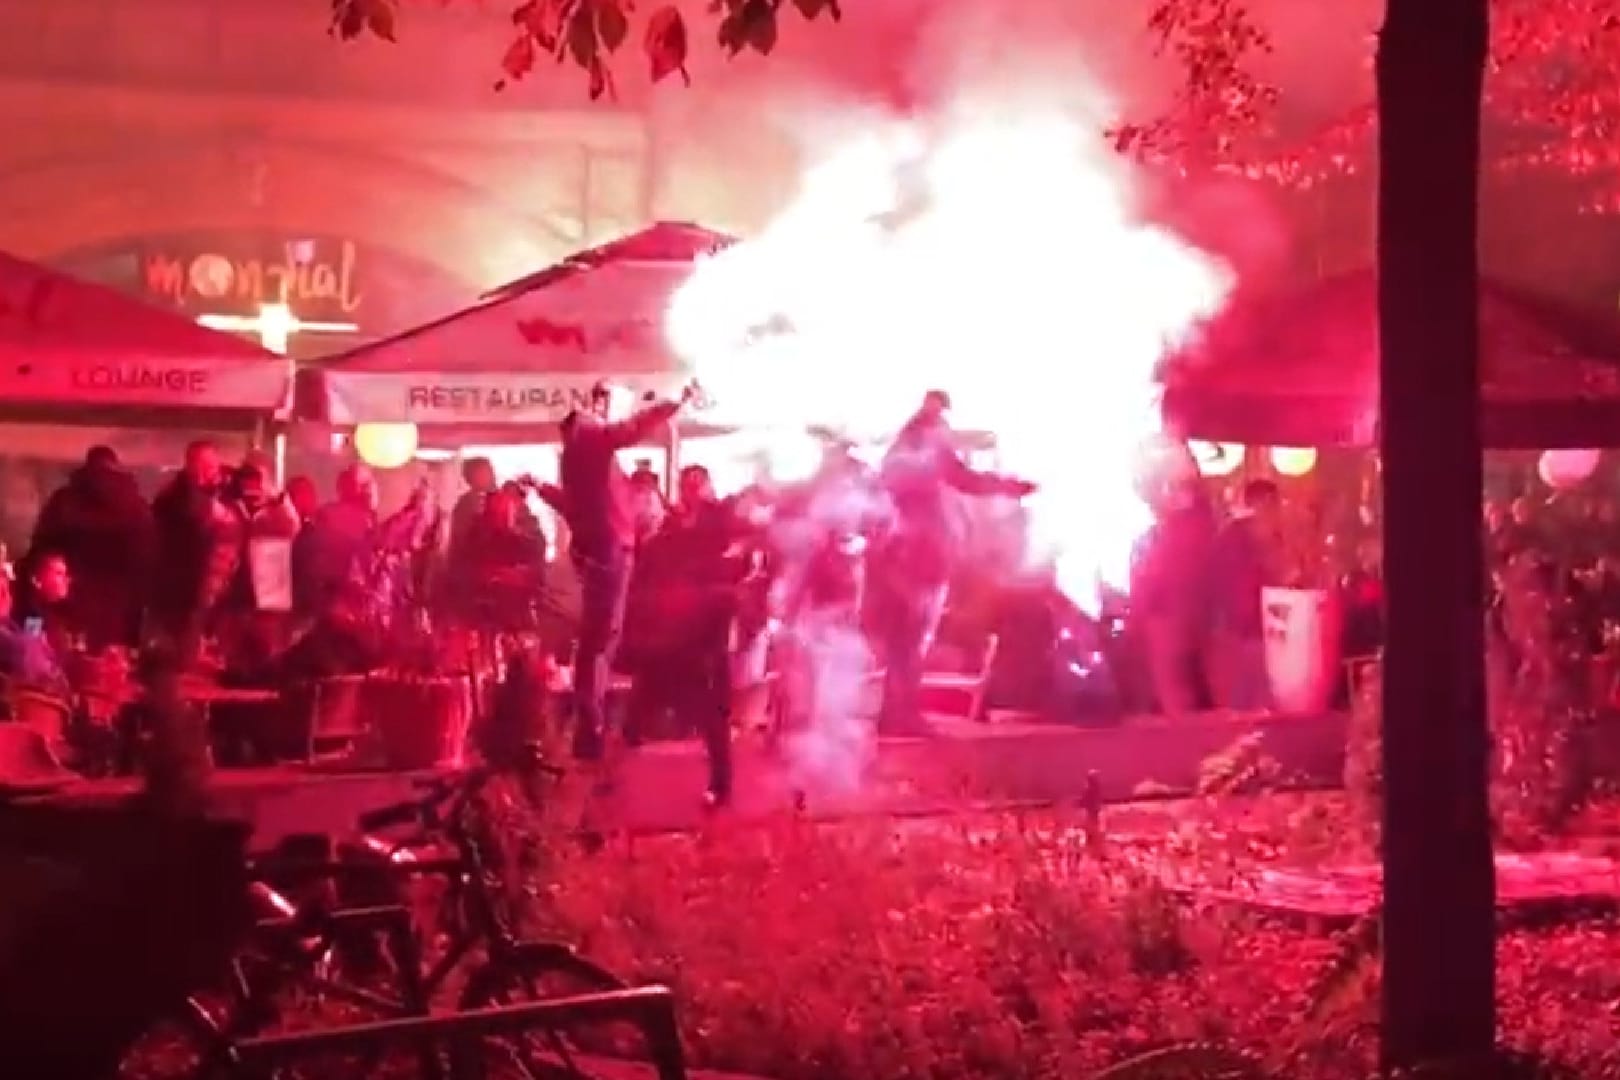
(191, 522)
(105, 531)
(600, 507)
(921, 473)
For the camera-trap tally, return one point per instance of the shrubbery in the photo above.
(1018, 946)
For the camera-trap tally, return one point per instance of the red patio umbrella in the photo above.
(529, 351)
(1302, 370)
(69, 345)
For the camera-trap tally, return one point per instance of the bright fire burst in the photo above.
(997, 258)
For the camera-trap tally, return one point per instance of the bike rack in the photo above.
(279, 936)
(649, 1008)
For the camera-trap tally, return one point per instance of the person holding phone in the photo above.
(26, 656)
(46, 599)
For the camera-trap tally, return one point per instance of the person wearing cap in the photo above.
(105, 533)
(912, 567)
(600, 509)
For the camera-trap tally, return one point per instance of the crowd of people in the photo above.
(1195, 597)
(216, 553)
(223, 569)
(707, 581)
(691, 601)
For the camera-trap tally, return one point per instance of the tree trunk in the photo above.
(1439, 883)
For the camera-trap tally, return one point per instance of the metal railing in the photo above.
(651, 1009)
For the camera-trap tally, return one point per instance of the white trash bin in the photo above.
(1302, 648)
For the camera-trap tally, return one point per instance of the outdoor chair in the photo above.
(971, 685)
(48, 715)
(1357, 670)
(27, 761)
(336, 717)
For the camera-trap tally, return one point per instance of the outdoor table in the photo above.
(206, 695)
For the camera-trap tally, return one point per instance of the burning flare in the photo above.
(997, 258)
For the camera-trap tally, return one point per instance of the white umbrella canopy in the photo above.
(528, 352)
(70, 344)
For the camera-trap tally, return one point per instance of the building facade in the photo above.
(220, 157)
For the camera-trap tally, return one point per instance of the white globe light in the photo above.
(1563, 469)
(1216, 459)
(1293, 460)
(385, 446)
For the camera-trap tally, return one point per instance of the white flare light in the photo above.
(1001, 262)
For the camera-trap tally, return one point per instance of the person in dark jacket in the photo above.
(912, 568)
(335, 547)
(1242, 562)
(1169, 597)
(187, 514)
(479, 476)
(102, 527)
(693, 568)
(601, 513)
(502, 567)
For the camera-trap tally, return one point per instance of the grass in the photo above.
(1021, 946)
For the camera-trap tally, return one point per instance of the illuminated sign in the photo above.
(306, 276)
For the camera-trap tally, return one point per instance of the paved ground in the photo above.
(659, 787)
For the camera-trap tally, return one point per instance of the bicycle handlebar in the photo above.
(440, 789)
(387, 817)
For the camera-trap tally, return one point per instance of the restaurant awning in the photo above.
(1302, 370)
(70, 348)
(528, 353)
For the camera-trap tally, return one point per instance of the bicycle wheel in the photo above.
(267, 992)
(542, 972)
(187, 1044)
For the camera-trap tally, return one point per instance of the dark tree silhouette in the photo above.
(1439, 958)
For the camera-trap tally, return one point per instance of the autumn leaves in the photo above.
(589, 33)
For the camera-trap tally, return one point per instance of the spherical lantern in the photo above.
(1216, 459)
(1293, 460)
(385, 446)
(1563, 469)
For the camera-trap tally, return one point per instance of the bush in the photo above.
(1017, 945)
(1539, 703)
(928, 951)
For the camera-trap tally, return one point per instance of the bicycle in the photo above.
(292, 946)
